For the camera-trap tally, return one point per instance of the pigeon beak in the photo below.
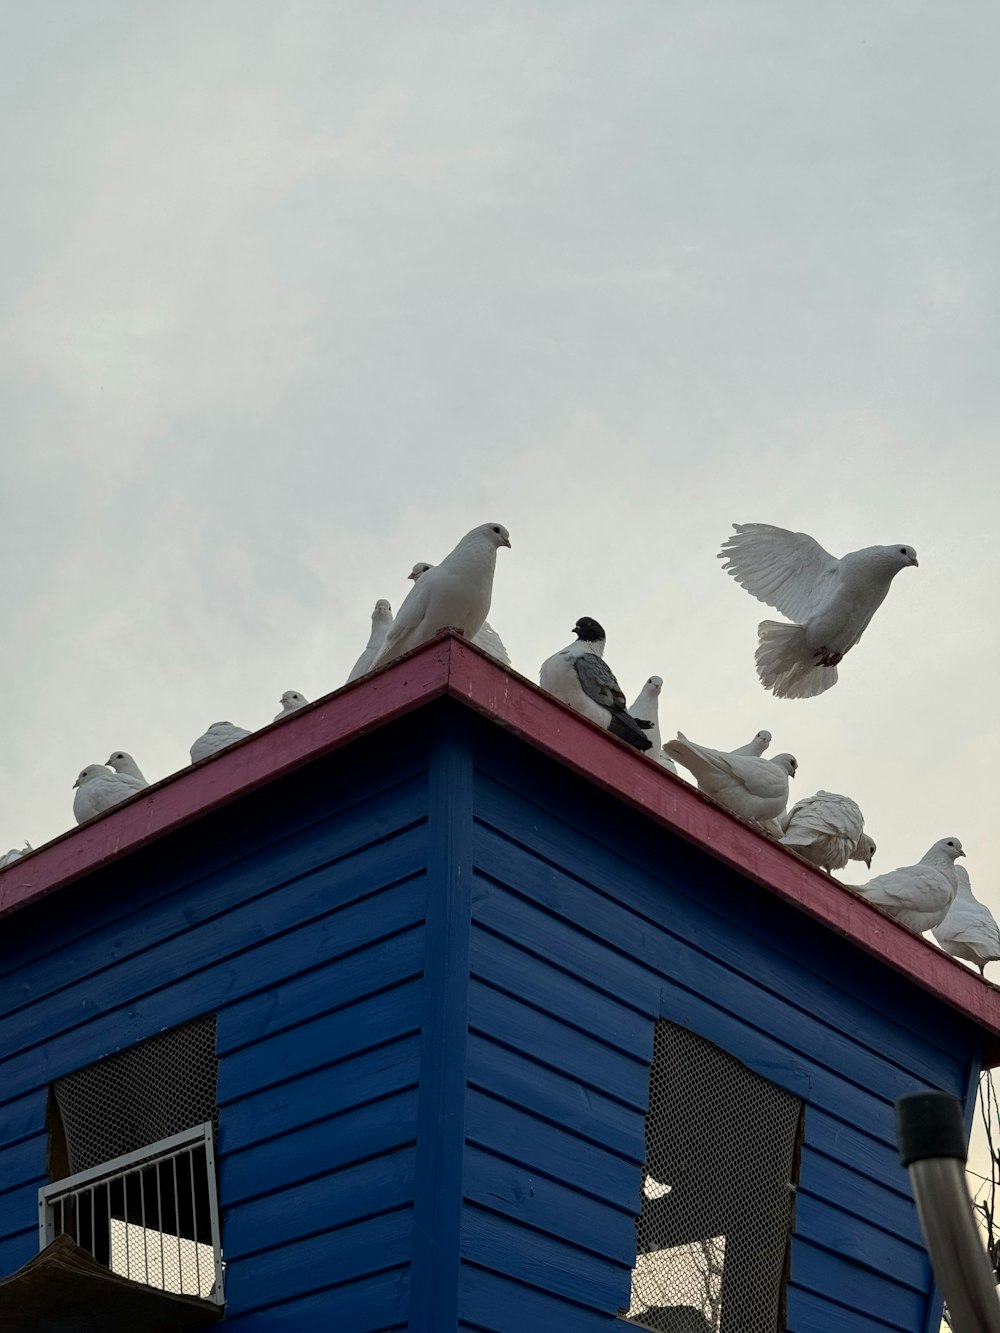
(961, 853)
(915, 562)
(506, 542)
(412, 576)
(76, 783)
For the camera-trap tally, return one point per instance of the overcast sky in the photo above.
(294, 295)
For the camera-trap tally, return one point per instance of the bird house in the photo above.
(433, 1006)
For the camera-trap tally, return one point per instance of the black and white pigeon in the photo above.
(647, 709)
(829, 830)
(381, 620)
(99, 788)
(291, 700)
(217, 737)
(752, 788)
(579, 676)
(485, 637)
(919, 896)
(757, 746)
(455, 594)
(122, 762)
(831, 601)
(969, 931)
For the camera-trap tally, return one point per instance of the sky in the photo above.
(293, 296)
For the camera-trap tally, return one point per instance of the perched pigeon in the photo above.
(969, 931)
(827, 830)
(15, 854)
(99, 788)
(751, 788)
(757, 746)
(381, 620)
(217, 737)
(831, 601)
(647, 709)
(122, 762)
(579, 676)
(918, 896)
(486, 637)
(454, 594)
(290, 701)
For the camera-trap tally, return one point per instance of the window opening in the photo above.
(722, 1163)
(137, 1133)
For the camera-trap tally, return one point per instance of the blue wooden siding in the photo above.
(588, 925)
(299, 918)
(437, 965)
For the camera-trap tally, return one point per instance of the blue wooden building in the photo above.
(468, 987)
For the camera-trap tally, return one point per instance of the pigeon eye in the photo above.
(902, 550)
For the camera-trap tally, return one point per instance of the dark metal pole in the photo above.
(931, 1140)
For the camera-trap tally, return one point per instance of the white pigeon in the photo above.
(217, 737)
(99, 788)
(831, 601)
(486, 637)
(828, 830)
(122, 762)
(918, 896)
(290, 701)
(757, 746)
(579, 676)
(647, 709)
(969, 931)
(750, 787)
(455, 594)
(381, 620)
(15, 854)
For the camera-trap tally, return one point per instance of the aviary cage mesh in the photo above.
(138, 1131)
(722, 1154)
(140, 1095)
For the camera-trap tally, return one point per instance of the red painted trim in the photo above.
(449, 665)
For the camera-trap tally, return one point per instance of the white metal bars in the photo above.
(150, 1215)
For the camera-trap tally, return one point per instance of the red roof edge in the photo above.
(448, 665)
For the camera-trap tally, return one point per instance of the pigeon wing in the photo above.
(598, 682)
(825, 815)
(409, 617)
(787, 570)
(489, 640)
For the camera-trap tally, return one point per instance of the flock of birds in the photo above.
(829, 603)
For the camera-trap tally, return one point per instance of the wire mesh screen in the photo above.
(713, 1236)
(140, 1095)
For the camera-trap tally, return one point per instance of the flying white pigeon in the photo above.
(969, 931)
(290, 701)
(647, 709)
(486, 637)
(122, 762)
(381, 620)
(828, 830)
(99, 788)
(579, 676)
(454, 594)
(831, 601)
(918, 896)
(15, 854)
(217, 737)
(750, 787)
(757, 746)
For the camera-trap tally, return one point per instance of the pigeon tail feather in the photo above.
(628, 729)
(786, 666)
